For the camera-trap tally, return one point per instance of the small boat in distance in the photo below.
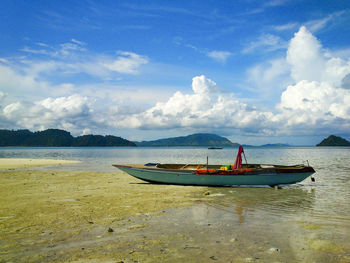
(219, 175)
(215, 148)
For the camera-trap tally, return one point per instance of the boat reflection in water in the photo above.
(245, 202)
(237, 223)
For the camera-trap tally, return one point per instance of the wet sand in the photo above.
(50, 216)
(78, 216)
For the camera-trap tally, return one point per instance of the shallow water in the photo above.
(305, 222)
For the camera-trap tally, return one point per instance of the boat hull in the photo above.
(191, 178)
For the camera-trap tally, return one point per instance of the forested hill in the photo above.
(57, 138)
(334, 141)
(198, 139)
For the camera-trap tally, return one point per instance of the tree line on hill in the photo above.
(333, 140)
(61, 138)
(194, 140)
(58, 138)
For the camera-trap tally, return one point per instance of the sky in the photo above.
(253, 71)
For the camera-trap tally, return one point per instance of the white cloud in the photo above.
(72, 113)
(206, 107)
(313, 107)
(72, 57)
(265, 43)
(318, 24)
(310, 62)
(203, 85)
(316, 98)
(288, 26)
(65, 49)
(269, 78)
(220, 56)
(127, 63)
(314, 25)
(316, 101)
(305, 56)
(48, 74)
(319, 99)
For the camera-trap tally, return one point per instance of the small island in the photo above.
(333, 140)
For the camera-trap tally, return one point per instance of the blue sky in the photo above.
(253, 71)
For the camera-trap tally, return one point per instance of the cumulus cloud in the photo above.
(72, 113)
(206, 107)
(305, 56)
(311, 101)
(309, 61)
(316, 98)
(320, 98)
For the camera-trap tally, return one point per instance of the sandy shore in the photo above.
(14, 163)
(78, 216)
(48, 216)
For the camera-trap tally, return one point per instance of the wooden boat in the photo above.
(219, 175)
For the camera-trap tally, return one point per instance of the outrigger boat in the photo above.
(219, 175)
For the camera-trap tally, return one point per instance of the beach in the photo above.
(61, 216)
(56, 215)
(15, 163)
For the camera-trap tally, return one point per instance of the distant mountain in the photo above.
(198, 139)
(57, 138)
(334, 141)
(275, 145)
(268, 145)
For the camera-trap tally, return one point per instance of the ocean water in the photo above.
(304, 222)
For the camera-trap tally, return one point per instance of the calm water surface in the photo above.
(306, 222)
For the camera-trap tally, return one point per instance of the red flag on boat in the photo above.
(238, 162)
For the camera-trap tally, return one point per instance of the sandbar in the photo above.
(51, 216)
(14, 163)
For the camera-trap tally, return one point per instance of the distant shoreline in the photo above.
(155, 147)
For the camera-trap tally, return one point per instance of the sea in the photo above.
(304, 222)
